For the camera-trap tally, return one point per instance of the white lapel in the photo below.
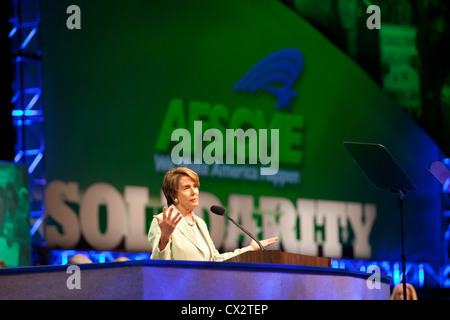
(205, 233)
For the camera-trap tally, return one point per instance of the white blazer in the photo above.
(183, 244)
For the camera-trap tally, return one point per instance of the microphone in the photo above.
(221, 212)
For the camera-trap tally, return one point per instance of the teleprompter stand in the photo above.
(384, 173)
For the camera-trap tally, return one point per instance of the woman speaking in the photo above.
(178, 234)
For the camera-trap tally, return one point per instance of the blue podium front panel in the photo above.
(186, 280)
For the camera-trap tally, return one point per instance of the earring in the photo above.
(175, 201)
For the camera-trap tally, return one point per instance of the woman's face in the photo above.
(187, 193)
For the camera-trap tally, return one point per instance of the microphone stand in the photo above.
(245, 231)
(401, 198)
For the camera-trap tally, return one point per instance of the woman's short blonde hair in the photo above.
(410, 291)
(171, 180)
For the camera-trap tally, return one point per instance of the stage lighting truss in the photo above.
(27, 114)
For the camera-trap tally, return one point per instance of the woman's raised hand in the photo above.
(167, 225)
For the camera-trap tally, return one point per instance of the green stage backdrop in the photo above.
(135, 71)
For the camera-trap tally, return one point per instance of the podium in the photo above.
(280, 257)
(192, 280)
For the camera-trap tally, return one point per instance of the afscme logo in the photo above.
(202, 136)
(276, 74)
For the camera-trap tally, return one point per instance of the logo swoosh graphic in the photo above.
(276, 74)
